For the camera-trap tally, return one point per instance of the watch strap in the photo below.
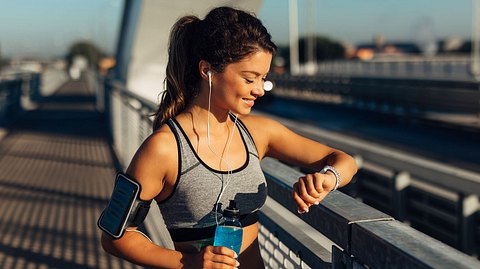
(335, 172)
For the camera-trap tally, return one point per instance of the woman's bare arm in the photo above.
(275, 140)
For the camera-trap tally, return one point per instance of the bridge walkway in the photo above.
(57, 171)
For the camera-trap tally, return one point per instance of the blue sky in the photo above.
(357, 21)
(43, 28)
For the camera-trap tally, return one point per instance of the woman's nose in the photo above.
(258, 89)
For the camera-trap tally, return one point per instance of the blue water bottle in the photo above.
(229, 233)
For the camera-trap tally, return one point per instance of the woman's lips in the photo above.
(249, 102)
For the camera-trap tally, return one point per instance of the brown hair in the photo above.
(225, 36)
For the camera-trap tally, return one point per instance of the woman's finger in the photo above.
(302, 206)
(224, 251)
(318, 182)
(303, 192)
(311, 185)
(220, 257)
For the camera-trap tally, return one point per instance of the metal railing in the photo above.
(446, 67)
(129, 122)
(364, 237)
(399, 96)
(347, 225)
(441, 200)
(12, 88)
(10, 92)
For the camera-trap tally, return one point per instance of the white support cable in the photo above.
(475, 65)
(293, 36)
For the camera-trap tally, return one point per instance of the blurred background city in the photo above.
(326, 31)
(394, 83)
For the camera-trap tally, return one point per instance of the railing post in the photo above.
(467, 208)
(18, 99)
(34, 87)
(10, 106)
(343, 260)
(340, 260)
(124, 129)
(106, 106)
(401, 181)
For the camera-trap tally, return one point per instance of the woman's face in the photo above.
(237, 87)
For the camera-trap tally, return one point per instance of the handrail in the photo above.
(121, 86)
(453, 67)
(129, 122)
(365, 235)
(404, 171)
(12, 87)
(400, 96)
(432, 172)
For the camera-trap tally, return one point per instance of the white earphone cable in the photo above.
(229, 141)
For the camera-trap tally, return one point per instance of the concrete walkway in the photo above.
(57, 173)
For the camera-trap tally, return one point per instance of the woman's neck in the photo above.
(211, 126)
(203, 110)
(219, 120)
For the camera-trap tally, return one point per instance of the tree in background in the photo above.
(86, 49)
(326, 49)
(81, 56)
(281, 60)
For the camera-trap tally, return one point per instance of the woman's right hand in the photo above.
(211, 257)
(311, 189)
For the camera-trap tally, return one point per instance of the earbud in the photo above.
(209, 73)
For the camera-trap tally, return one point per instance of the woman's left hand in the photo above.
(311, 189)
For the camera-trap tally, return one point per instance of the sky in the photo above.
(357, 21)
(46, 28)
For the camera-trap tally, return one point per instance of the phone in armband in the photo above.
(124, 209)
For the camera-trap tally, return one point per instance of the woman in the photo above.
(206, 148)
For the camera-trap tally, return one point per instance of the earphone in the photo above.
(229, 142)
(209, 74)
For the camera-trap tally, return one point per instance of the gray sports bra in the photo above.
(188, 211)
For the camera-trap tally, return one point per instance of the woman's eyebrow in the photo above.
(252, 72)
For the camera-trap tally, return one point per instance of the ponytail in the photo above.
(181, 77)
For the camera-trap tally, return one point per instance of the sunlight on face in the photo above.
(242, 82)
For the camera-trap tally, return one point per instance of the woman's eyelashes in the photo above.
(249, 81)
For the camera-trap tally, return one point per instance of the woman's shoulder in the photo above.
(262, 129)
(155, 162)
(258, 122)
(161, 142)
(159, 147)
(266, 129)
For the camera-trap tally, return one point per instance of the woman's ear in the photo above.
(205, 68)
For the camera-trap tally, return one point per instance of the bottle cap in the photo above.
(231, 211)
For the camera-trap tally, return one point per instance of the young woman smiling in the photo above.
(206, 149)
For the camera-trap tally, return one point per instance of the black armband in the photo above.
(125, 208)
